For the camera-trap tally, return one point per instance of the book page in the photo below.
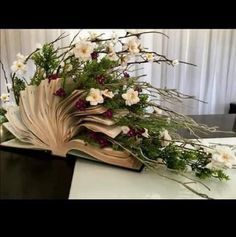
(13, 116)
(111, 131)
(99, 119)
(38, 137)
(18, 144)
(16, 133)
(109, 156)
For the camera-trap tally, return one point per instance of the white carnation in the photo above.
(5, 97)
(83, 50)
(165, 138)
(125, 129)
(108, 93)
(149, 57)
(18, 67)
(95, 97)
(145, 133)
(175, 62)
(20, 57)
(222, 157)
(133, 45)
(131, 97)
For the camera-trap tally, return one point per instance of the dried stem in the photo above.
(5, 76)
(148, 165)
(131, 35)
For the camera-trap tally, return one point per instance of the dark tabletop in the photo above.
(27, 174)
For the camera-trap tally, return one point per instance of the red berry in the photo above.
(81, 104)
(108, 113)
(60, 92)
(94, 55)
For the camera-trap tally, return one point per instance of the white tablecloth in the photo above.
(93, 180)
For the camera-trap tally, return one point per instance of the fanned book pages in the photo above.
(47, 122)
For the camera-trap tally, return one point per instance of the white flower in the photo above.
(166, 138)
(157, 110)
(9, 86)
(5, 97)
(175, 62)
(114, 37)
(149, 57)
(62, 64)
(83, 50)
(20, 57)
(93, 35)
(116, 92)
(112, 56)
(125, 129)
(38, 46)
(18, 67)
(145, 134)
(69, 67)
(222, 157)
(124, 60)
(131, 97)
(133, 45)
(111, 52)
(189, 146)
(205, 146)
(188, 168)
(108, 93)
(110, 48)
(95, 97)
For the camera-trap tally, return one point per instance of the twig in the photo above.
(131, 35)
(153, 169)
(59, 38)
(5, 76)
(52, 42)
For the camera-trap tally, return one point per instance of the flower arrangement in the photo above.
(102, 67)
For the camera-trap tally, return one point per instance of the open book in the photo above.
(48, 122)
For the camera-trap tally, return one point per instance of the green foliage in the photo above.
(19, 85)
(151, 148)
(154, 124)
(87, 78)
(46, 59)
(139, 108)
(174, 157)
(204, 173)
(2, 111)
(84, 75)
(38, 77)
(117, 102)
(3, 119)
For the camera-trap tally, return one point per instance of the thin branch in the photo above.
(60, 37)
(131, 35)
(5, 76)
(165, 176)
(52, 42)
(164, 57)
(31, 55)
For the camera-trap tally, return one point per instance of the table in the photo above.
(36, 175)
(107, 182)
